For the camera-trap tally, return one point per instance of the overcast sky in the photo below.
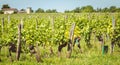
(60, 5)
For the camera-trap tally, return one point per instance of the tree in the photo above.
(54, 11)
(51, 11)
(105, 9)
(87, 9)
(112, 9)
(98, 10)
(32, 10)
(67, 11)
(48, 11)
(77, 10)
(22, 10)
(39, 10)
(5, 6)
(118, 10)
(1, 12)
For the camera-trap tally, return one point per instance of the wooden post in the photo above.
(19, 43)
(52, 24)
(2, 25)
(72, 31)
(65, 18)
(8, 18)
(70, 41)
(89, 17)
(36, 24)
(0, 49)
(21, 23)
(113, 40)
(112, 46)
(38, 57)
(51, 51)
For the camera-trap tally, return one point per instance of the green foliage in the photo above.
(39, 10)
(51, 11)
(113, 8)
(50, 29)
(89, 9)
(1, 12)
(5, 6)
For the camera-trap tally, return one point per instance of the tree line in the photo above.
(84, 9)
(90, 9)
(40, 10)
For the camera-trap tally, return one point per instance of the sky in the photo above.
(59, 5)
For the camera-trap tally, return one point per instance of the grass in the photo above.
(91, 56)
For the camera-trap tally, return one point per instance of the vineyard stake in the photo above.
(19, 43)
(113, 41)
(36, 24)
(38, 57)
(2, 25)
(70, 40)
(8, 18)
(21, 23)
(52, 24)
